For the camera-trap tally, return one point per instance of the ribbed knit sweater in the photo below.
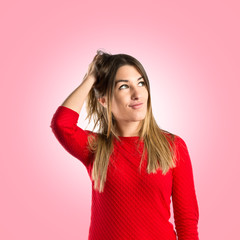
(134, 205)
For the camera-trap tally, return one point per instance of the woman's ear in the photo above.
(103, 101)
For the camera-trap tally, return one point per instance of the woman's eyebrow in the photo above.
(122, 80)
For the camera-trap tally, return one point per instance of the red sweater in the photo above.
(133, 206)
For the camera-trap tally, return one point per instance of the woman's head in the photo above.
(109, 103)
(129, 89)
(114, 98)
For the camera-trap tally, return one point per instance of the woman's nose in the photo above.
(136, 92)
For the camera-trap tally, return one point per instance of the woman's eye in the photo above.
(127, 85)
(122, 86)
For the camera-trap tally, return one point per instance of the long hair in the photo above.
(157, 142)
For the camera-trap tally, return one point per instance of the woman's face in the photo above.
(129, 89)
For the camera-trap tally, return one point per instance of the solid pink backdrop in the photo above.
(190, 51)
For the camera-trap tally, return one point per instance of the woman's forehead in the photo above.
(127, 73)
(126, 70)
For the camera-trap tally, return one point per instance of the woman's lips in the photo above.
(136, 106)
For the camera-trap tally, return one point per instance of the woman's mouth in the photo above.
(136, 106)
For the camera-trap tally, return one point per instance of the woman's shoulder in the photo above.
(168, 135)
(173, 138)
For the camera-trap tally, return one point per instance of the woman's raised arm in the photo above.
(64, 121)
(76, 99)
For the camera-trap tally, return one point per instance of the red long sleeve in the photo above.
(185, 206)
(134, 205)
(69, 135)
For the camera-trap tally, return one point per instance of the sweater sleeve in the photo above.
(185, 205)
(73, 138)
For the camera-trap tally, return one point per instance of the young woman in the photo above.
(135, 167)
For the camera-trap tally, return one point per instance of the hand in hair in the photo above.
(92, 68)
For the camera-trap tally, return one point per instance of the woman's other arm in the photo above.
(185, 205)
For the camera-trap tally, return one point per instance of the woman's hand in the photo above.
(92, 69)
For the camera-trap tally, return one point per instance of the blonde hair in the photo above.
(157, 142)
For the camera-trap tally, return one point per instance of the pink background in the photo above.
(190, 51)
